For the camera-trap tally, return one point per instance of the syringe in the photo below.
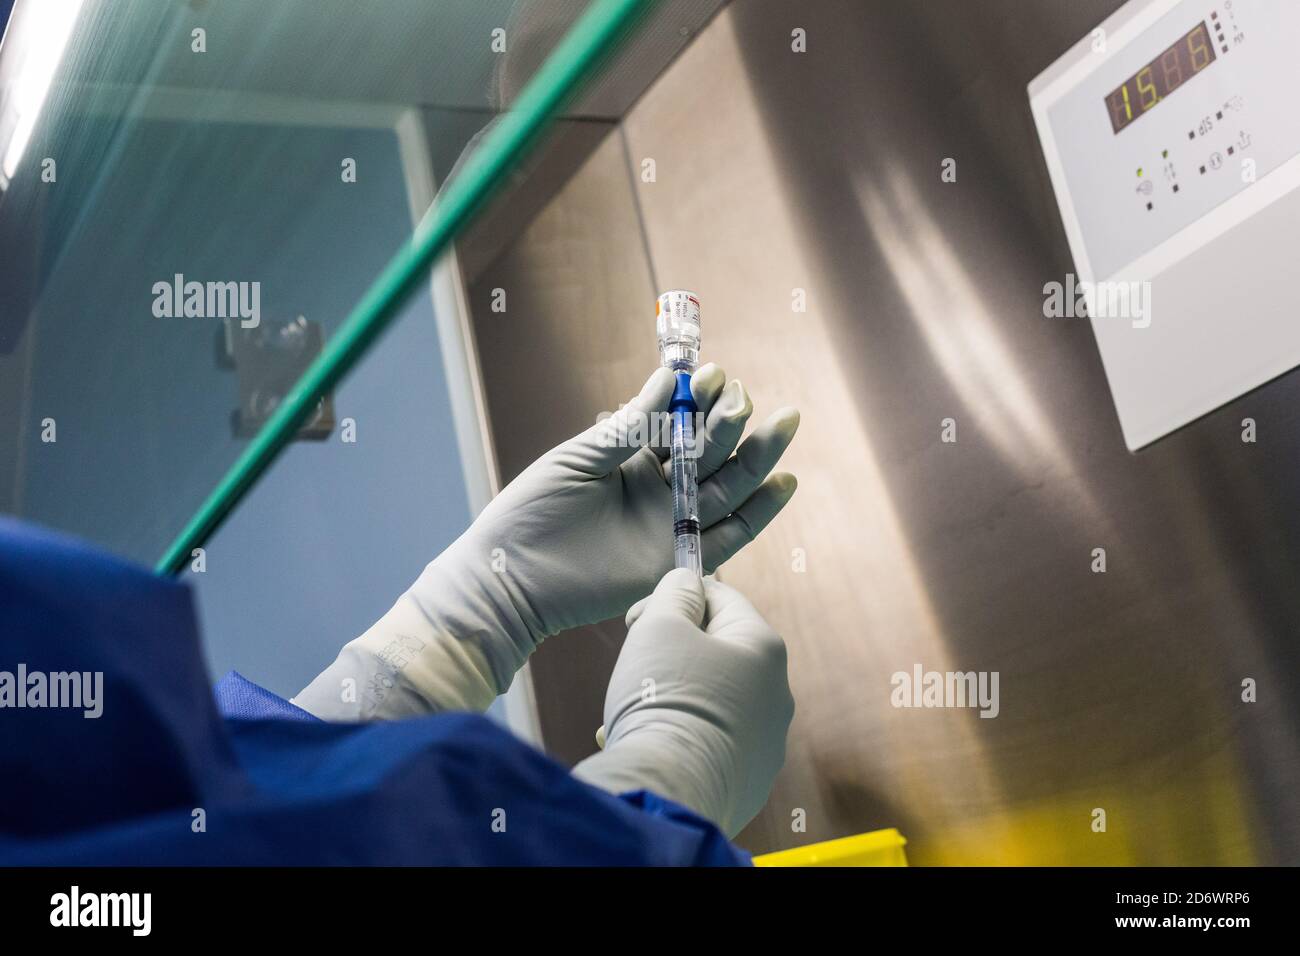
(677, 320)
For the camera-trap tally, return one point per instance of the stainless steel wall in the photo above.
(1121, 691)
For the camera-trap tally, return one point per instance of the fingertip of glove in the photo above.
(680, 592)
(708, 378)
(740, 395)
(678, 579)
(658, 388)
(786, 418)
(784, 483)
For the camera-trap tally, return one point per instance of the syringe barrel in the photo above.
(687, 551)
(677, 320)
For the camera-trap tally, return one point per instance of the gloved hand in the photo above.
(699, 703)
(580, 535)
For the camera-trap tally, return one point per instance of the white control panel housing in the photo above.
(1172, 135)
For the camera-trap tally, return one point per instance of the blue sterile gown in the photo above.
(169, 775)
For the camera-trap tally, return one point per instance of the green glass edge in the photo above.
(598, 32)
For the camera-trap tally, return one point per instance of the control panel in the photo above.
(1172, 137)
(1204, 102)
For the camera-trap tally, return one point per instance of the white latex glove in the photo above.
(698, 705)
(578, 537)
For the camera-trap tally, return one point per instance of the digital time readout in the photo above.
(1142, 91)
